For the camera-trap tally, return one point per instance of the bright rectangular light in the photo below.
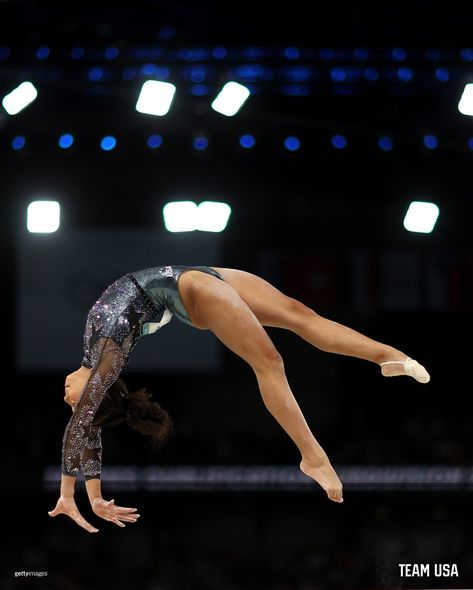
(155, 98)
(421, 217)
(43, 216)
(465, 106)
(213, 216)
(19, 98)
(230, 99)
(180, 216)
(209, 216)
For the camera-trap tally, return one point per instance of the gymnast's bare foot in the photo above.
(324, 474)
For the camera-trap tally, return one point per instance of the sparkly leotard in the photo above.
(135, 305)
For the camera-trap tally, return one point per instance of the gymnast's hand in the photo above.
(115, 514)
(67, 505)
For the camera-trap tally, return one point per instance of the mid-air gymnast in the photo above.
(235, 305)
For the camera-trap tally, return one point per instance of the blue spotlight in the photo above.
(291, 53)
(442, 74)
(470, 143)
(398, 54)
(65, 141)
(95, 74)
(326, 53)
(295, 89)
(371, 74)
(467, 54)
(199, 89)
(292, 143)
(361, 53)
(185, 53)
(154, 141)
(111, 53)
(219, 53)
(430, 142)
(200, 143)
(252, 52)
(148, 69)
(297, 73)
(42, 52)
(4, 52)
(338, 74)
(339, 142)
(108, 143)
(404, 74)
(158, 72)
(385, 143)
(251, 72)
(198, 74)
(200, 54)
(77, 53)
(247, 141)
(18, 142)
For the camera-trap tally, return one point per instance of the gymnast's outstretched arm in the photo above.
(82, 445)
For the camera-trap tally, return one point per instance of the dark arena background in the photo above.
(353, 114)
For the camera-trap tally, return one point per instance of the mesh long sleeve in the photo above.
(82, 444)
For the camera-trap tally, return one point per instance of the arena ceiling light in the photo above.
(180, 216)
(421, 217)
(155, 97)
(213, 216)
(43, 217)
(210, 216)
(465, 106)
(230, 99)
(19, 98)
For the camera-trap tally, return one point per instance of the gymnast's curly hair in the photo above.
(136, 408)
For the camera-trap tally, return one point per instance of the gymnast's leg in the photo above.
(216, 306)
(274, 309)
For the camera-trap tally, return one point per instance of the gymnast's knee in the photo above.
(298, 314)
(269, 361)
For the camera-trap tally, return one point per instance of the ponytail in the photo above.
(137, 408)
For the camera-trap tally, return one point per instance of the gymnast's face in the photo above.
(74, 385)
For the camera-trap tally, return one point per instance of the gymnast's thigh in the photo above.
(271, 306)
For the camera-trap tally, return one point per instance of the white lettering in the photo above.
(445, 570)
(424, 569)
(420, 570)
(411, 570)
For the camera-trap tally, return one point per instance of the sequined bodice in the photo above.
(135, 305)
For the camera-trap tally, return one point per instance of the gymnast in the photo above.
(233, 304)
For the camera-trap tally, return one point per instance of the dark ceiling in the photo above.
(314, 186)
(312, 23)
